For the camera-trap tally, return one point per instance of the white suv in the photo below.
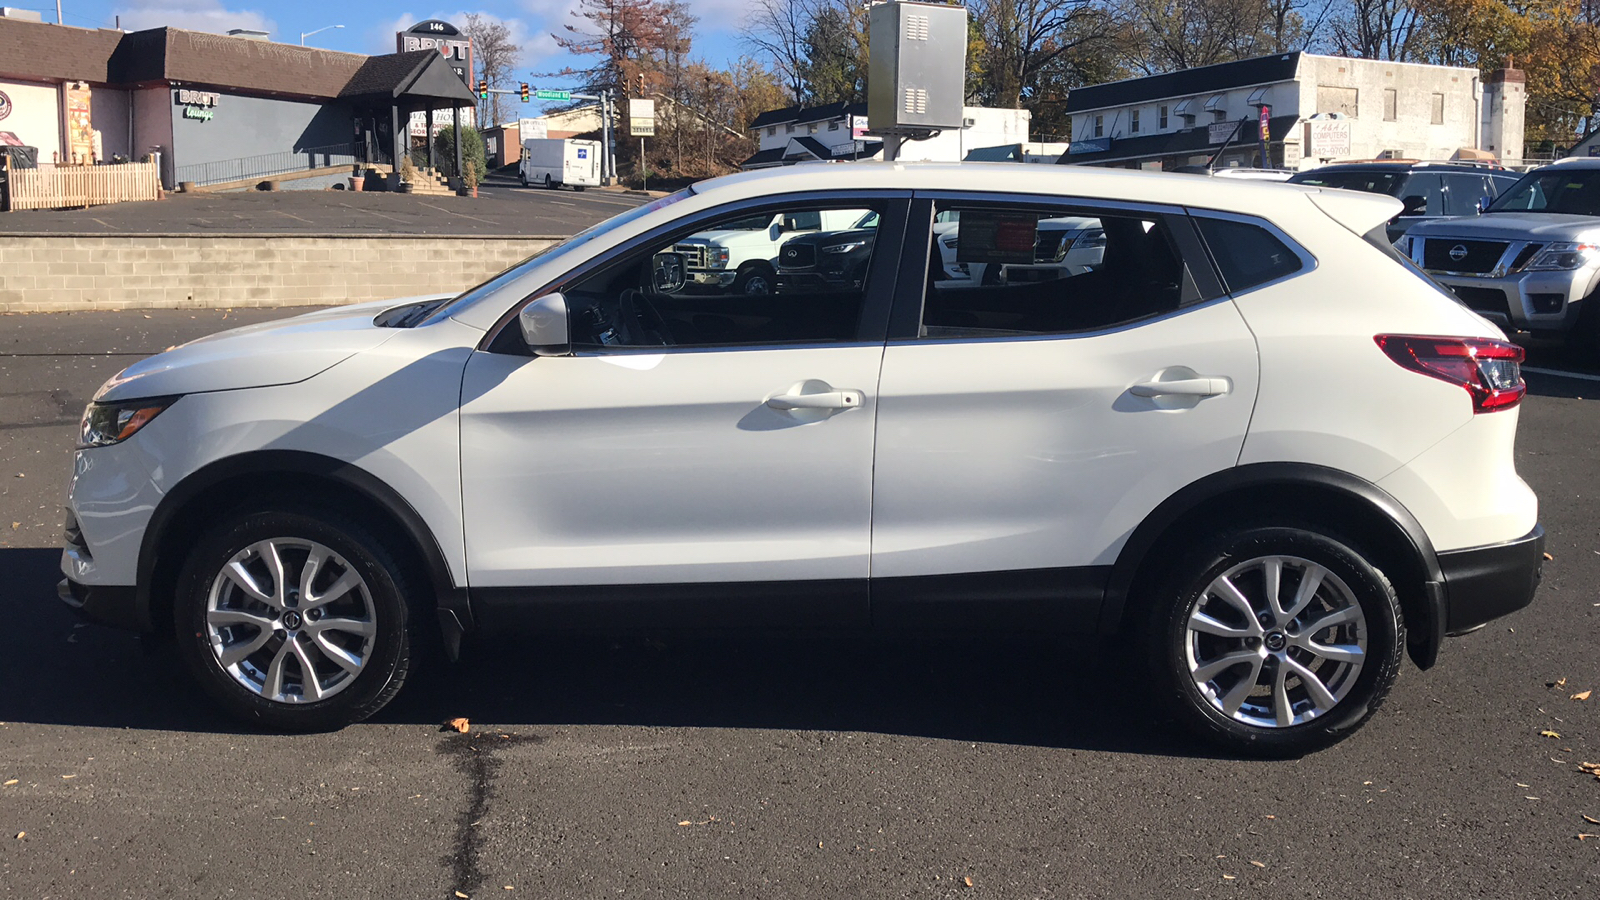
(1251, 439)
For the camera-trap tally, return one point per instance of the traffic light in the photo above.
(483, 89)
(525, 92)
(624, 85)
(641, 84)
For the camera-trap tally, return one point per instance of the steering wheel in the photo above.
(640, 322)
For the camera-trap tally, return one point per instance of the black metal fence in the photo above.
(268, 164)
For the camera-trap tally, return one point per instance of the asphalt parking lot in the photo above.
(665, 766)
(501, 208)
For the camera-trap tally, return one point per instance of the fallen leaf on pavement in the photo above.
(1258, 864)
(1228, 877)
(21, 835)
(686, 822)
(967, 880)
(1591, 820)
(1549, 734)
(15, 525)
(1585, 837)
(1548, 556)
(459, 725)
(462, 896)
(10, 783)
(1582, 695)
(1559, 682)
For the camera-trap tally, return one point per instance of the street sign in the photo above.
(642, 118)
(553, 95)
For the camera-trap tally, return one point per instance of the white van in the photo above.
(554, 162)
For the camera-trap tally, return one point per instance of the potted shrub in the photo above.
(469, 178)
(408, 175)
(358, 179)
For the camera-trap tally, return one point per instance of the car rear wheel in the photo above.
(754, 281)
(1275, 641)
(297, 619)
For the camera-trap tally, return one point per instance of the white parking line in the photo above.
(1560, 374)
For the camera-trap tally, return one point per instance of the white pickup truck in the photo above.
(740, 257)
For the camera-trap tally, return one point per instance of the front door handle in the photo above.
(823, 400)
(1182, 387)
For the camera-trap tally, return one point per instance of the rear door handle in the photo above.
(1182, 387)
(824, 400)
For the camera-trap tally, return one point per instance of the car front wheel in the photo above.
(1275, 641)
(296, 619)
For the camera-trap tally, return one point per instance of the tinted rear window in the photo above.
(1247, 255)
(1373, 182)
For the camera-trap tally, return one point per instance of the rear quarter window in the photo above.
(1247, 255)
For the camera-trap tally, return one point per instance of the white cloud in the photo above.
(196, 15)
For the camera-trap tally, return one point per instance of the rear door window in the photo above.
(1032, 270)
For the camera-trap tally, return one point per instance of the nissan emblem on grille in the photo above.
(1458, 252)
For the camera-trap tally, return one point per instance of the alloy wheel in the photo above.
(1275, 641)
(290, 620)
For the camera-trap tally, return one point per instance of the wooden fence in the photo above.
(59, 187)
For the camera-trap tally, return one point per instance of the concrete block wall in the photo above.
(58, 273)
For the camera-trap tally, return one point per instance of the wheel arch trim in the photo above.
(451, 598)
(1425, 602)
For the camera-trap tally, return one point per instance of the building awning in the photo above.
(418, 78)
(1189, 142)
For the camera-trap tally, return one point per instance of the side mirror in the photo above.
(1483, 202)
(544, 326)
(668, 272)
(1415, 205)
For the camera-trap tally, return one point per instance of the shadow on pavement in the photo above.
(1000, 689)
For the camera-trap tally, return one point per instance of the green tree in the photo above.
(444, 147)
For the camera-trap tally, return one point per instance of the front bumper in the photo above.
(116, 606)
(1484, 583)
(1542, 303)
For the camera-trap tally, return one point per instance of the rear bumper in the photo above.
(115, 606)
(1484, 583)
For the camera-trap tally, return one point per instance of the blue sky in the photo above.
(369, 26)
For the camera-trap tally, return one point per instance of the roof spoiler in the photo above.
(1356, 210)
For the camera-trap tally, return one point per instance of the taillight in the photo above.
(1488, 369)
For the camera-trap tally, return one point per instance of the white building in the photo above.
(838, 131)
(1316, 109)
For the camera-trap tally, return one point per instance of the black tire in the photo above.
(523, 177)
(393, 590)
(579, 188)
(549, 185)
(1360, 692)
(760, 277)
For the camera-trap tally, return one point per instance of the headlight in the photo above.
(105, 424)
(1564, 257)
(844, 248)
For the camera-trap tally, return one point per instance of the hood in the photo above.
(262, 355)
(834, 237)
(1511, 226)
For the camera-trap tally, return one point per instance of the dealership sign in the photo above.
(444, 37)
(200, 105)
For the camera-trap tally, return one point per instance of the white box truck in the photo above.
(553, 162)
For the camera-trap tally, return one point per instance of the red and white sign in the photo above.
(1327, 138)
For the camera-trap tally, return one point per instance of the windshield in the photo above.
(486, 288)
(754, 223)
(1575, 191)
(1371, 182)
(870, 220)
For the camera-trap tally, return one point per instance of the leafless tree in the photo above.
(495, 56)
(777, 28)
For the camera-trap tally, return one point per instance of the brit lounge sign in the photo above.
(442, 36)
(200, 105)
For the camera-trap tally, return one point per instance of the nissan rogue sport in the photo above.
(1249, 441)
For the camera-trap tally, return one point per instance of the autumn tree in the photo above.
(776, 29)
(1375, 29)
(615, 37)
(1020, 40)
(494, 55)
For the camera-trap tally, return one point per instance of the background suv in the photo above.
(1248, 443)
(1531, 262)
(1427, 190)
